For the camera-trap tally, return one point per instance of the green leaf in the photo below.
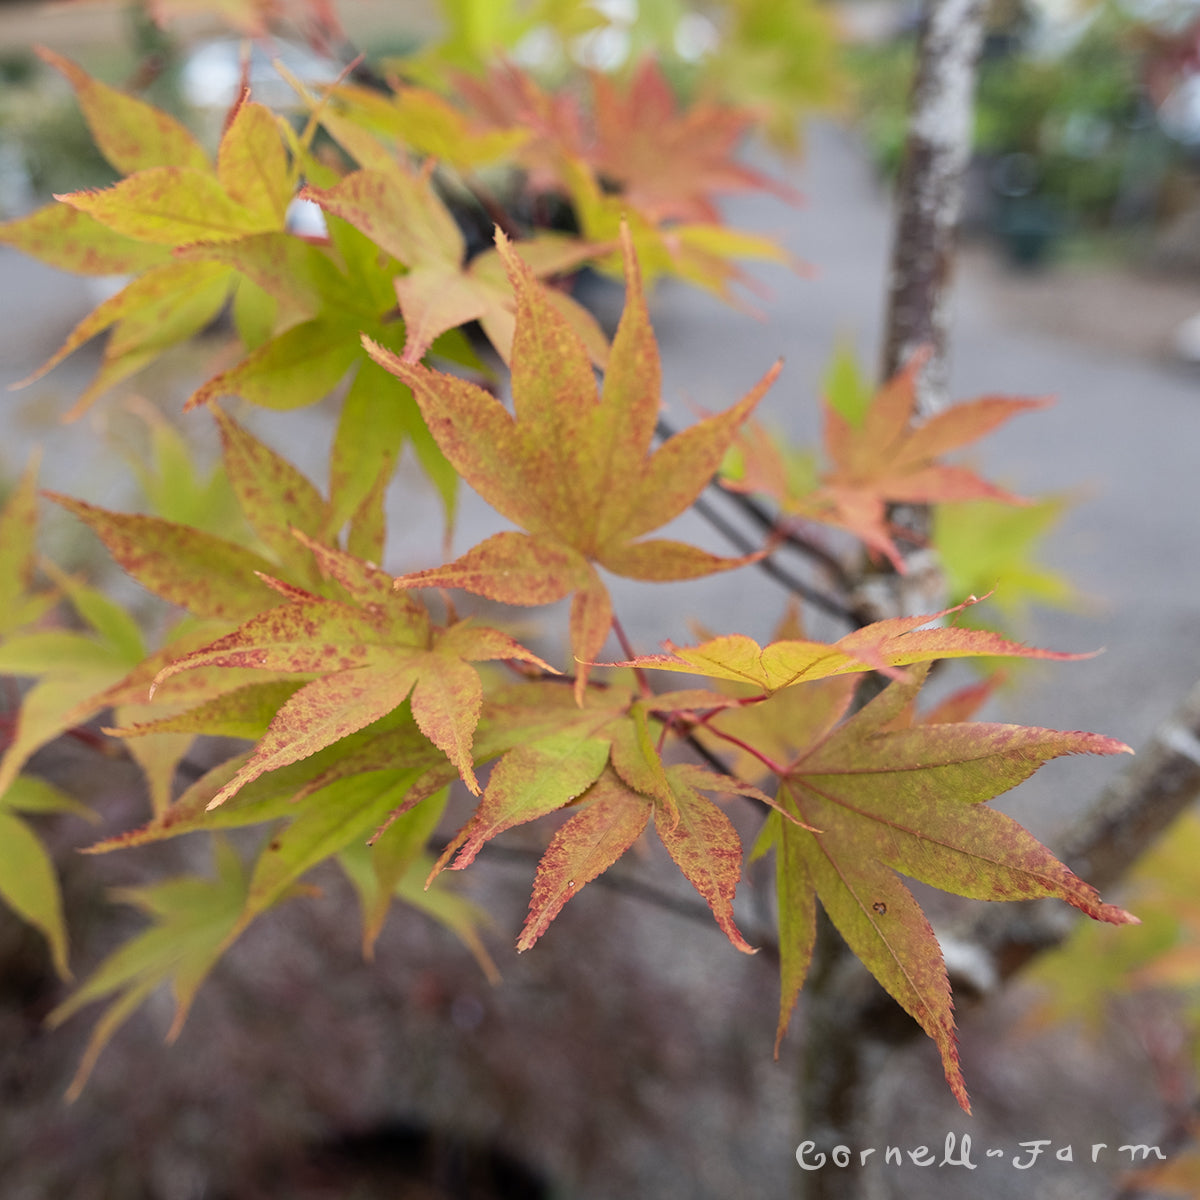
(130, 133)
(244, 712)
(116, 626)
(301, 277)
(29, 885)
(325, 822)
(192, 921)
(18, 550)
(169, 206)
(274, 496)
(207, 575)
(293, 370)
(389, 859)
(986, 546)
(165, 305)
(847, 391)
(30, 794)
(70, 240)
(175, 488)
(369, 437)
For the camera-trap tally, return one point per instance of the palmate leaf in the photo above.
(882, 646)
(28, 882)
(780, 60)
(367, 658)
(573, 468)
(702, 253)
(171, 196)
(70, 669)
(881, 796)
(20, 605)
(403, 214)
(670, 164)
(602, 762)
(879, 454)
(505, 97)
(193, 920)
(984, 544)
(418, 120)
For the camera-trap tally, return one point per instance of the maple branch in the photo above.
(765, 759)
(808, 546)
(817, 598)
(789, 536)
(627, 647)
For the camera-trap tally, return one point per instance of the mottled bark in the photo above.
(929, 192)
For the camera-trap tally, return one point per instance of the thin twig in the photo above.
(817, 598)
(627, 647)
(764, 519)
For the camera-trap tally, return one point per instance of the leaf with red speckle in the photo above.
(879, 456)
(367, 661)
(130, 133)
(19, 604)
(171, 206)
(70, 240)
(252, 163)
(171, 197)
(707, 849)
(572, 467)
(610, 820)
(669, 163)
(205, 574)
(880, 799)
(275, 497)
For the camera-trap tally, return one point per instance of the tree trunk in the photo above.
(850, 1023)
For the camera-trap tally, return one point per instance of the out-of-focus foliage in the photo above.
(1066, 135)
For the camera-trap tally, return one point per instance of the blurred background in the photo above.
(630, 1053)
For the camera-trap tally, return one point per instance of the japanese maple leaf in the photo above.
(601, 760)
(571, 466)
(368, 654)
(881, 646)
(670, 163)
(878, 795)
(417, 119)
(171, 195)
(402, 214)
(508, 98)
(885, 457)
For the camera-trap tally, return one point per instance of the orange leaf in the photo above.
(571, 466)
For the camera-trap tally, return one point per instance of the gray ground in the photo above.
(630, 1054)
